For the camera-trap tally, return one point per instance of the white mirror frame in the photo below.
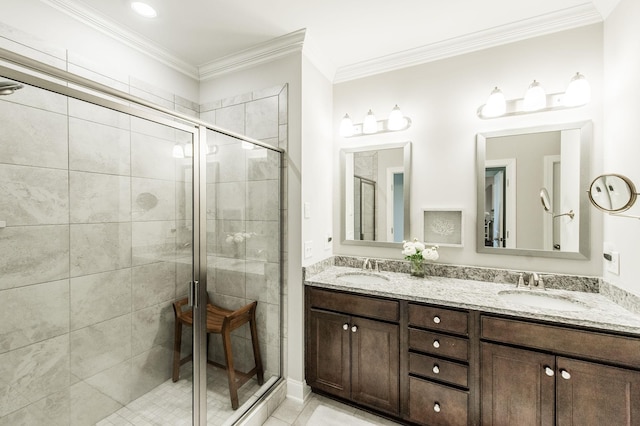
(406, 146)
(586, 138)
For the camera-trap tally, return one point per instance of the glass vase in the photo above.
(417, 268)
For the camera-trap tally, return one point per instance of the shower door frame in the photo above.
(198, 129)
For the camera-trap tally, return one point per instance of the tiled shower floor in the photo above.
(170, 403)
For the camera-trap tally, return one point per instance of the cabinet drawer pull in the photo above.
(436, 369)
(565, 374)
(436, 319)
(548, 371)
(436, 407)
(345, 326)
(436, 344)
(354, 328)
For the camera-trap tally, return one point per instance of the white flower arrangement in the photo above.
(238, 237)
(416, 251)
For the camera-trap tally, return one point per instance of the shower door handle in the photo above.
(193, 293)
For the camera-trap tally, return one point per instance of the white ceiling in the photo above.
(341, 32)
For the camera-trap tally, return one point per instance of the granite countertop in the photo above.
(600, 312)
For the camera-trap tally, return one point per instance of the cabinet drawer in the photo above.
(439, 369)
(352, 304)
(439, 319)
(432, 404)
(439, 344)
(563, 341)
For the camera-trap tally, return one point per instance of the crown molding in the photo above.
(255, 55)
(573, 17)
(91, 18)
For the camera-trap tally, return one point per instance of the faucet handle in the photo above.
(378, 263)
(520, 281)
(540, 283)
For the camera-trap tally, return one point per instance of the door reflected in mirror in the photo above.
(515, 215)
(375, 184)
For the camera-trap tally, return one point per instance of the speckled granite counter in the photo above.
(601, 313)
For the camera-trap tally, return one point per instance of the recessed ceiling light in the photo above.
(143, 9)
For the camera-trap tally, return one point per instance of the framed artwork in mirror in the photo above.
(443, 227)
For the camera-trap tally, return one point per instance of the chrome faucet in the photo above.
(533, 280)
(366, 264)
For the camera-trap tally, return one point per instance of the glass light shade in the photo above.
(496, 104)
(178, 152)
(370, 124)
(346, 126)
(396, 119)
(578, 92)
(143, 9)
(535, 98)
(188, 150)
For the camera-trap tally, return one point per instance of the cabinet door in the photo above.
(594, 394)
(375, 351)
(518, 386)
(328, 353)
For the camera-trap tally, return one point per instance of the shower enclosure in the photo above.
(108, 211)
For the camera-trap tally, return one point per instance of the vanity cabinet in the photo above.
(557, 375)
(439, 352)
(353, 347)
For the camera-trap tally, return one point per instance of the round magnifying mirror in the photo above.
(612, 193)
(544, 199)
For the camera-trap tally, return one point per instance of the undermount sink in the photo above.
(541, 300)
(362, 278)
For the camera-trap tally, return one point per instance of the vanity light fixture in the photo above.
(143, 9)
(371, 126)
(578, 93)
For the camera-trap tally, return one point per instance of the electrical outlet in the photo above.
(308, 249)
(613, 265)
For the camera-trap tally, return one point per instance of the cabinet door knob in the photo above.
(548, 371)
(436, 319)
(436, 344)
(436, 407)
(565, 374)
(354, 328)
(436, 369)
(345, 326)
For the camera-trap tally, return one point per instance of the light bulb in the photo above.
(143, 9)
(535, 98)
(346, 126)
(578, 92)
(178, 152)
(396, 119)
(370, 124)
(496, 104)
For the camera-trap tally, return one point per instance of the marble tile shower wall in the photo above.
(95, 208)
(243, 212)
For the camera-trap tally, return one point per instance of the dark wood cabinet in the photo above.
(352, 356)
(516, 386)
(422, 364)
(527, 387)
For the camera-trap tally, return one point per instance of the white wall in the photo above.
(317, 165)
(442, 98)
(622, 134)
(110, 56)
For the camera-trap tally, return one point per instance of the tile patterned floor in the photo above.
(291, 413)
(170, 403)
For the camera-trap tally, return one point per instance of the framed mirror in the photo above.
(531, 197)
(375, 183)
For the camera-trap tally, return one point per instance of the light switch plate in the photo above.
(613, 265)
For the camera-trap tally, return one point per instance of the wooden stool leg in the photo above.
(256, 349)
(231, 372)
(177, 342)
